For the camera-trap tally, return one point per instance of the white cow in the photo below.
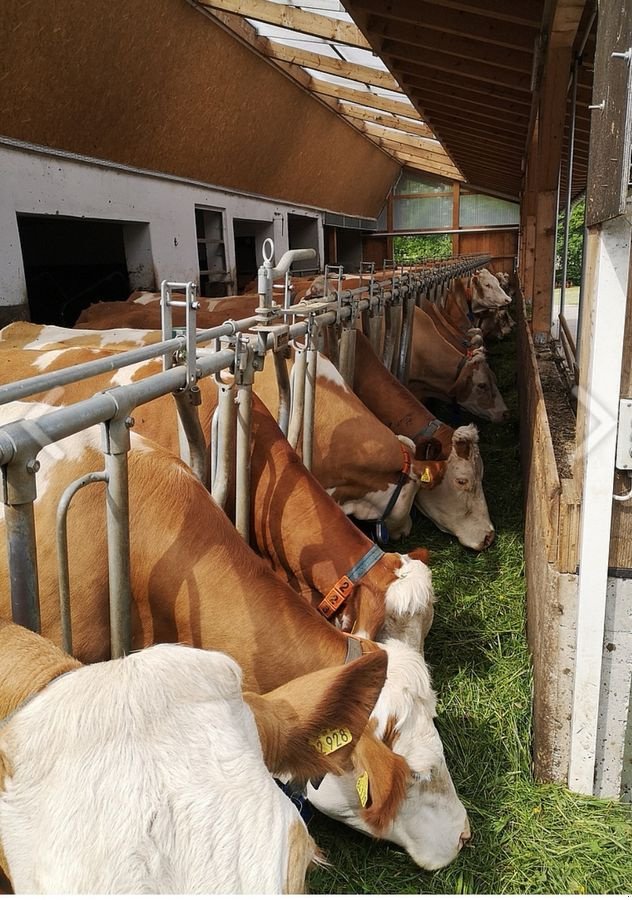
(146, 774)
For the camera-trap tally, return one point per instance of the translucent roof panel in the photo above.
(343, 74)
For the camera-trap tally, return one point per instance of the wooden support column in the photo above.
(456, 205)
(527, 263)
(552, 114)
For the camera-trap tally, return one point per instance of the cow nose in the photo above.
(506, 415)
(489, 538)
(466, 835)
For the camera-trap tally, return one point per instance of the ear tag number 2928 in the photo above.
(329, 741)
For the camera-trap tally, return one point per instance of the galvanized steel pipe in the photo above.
(63, 568)
(242, 478)
(224, 424)
(22, 557)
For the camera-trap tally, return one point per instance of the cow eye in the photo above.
(482, 387)
(421, 776)
(463, 482)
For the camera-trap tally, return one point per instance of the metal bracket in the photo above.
(623, 458)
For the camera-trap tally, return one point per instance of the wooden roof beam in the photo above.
(400, 146)
(427, 166)
(449, 82)
(477, 104)
(331, 65)
(402, 19)
(528, 13)
(455, 45)
(350, 110)
(432, 146)
(366, 98)
(293, 18)
(462, 68)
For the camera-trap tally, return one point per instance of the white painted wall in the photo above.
(45, 183)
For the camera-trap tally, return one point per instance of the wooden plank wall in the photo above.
(550, 544)
(156, 85)
(501, 245)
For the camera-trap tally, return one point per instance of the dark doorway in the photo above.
(249, 236)
(71, 263)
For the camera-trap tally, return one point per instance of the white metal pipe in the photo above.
(598, 445)
(309, 408)
(299, 372)
(224, 424)
(63, 568)
(119, 577)
(346, 365)
(283, 385)
(242, 476)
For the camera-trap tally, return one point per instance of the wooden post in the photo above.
(528, 220)
(552, 115)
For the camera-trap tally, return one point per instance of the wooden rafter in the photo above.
(293, 18)
(351, 111)
(403, 147)
(466, 47)
(464, 68)
(366, 98)
(398, 19)
(427, 166)
(331, 65)
(432, 146)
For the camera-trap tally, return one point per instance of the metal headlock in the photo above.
(382, 304)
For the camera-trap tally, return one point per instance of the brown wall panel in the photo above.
(157, 85)
(502, 246)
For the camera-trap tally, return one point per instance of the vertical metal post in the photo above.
(117, 522)
(283, 384)
(406, 337)
(299, 370)
(309, 408)
(244, 375)
(223, 442)
(22, 554)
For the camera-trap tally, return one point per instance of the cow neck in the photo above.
(203, 586)
(298, 527)
(28, 664)
(336, 597)
(436, 360)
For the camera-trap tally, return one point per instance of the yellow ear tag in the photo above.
(426, 477)
(329, 741)
(362, 787)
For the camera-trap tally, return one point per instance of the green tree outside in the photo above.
(575, 243)
(422, 246)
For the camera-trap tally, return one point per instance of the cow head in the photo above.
(451, 494)
(487, 292)
(401, 789)
(475, 389)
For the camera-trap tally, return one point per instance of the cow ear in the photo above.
(385, 775)
(421, 553)
(309, 726)
(430, 472)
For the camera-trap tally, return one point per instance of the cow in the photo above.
(437, 369)
(470, 340)
(150, 774)
(194, 581)
(451, 489)
(295, 524)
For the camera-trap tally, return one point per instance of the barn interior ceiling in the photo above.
(449, 87)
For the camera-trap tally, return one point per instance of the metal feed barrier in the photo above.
(382, 305)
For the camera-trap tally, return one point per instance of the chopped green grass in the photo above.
(527, 838)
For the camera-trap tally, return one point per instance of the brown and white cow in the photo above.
(194, 581)
(296, 525)
(451, 489)
(148, 773)
(437, 369)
